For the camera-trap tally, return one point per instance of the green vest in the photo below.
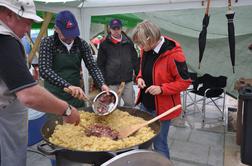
(67, 66)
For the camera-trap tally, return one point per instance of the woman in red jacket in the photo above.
(163, 75)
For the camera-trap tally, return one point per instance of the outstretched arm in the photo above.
(40, 99)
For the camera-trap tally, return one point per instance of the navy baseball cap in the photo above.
(115, 23)
(67, 24)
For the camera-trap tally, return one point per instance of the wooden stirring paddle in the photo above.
(125, 132)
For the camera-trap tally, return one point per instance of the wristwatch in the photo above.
(68, 111)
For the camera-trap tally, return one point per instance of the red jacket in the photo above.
(170, 72)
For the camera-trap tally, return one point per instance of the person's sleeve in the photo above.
(46, 63)
(139, 75)
(178, 67)
(91, 65)
(13, 68)
(101, 60)
(135, 60)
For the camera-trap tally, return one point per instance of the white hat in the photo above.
(23, 8)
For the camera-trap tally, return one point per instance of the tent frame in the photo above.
(84, 9)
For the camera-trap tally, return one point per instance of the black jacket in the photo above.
(117, 62)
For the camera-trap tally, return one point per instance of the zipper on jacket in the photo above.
(153, 80)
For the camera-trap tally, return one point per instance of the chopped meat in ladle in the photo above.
(107, 100)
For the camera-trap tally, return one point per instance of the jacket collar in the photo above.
(164, 51)
(5, 30)
(124, 38)
(58, 43)
(158, 47)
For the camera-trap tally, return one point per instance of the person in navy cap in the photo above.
(60, 58)
(117, 59)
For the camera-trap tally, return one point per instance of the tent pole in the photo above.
(42, 31)
(85, 24)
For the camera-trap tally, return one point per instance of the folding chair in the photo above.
(187, 94)
(213, 88)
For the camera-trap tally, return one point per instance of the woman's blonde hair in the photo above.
(146, 33)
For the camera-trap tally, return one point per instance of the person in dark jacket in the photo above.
(60, 57)
(117, 59)
(163, 75)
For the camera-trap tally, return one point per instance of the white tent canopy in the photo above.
(84, 9)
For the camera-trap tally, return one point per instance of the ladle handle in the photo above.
(67, 90)
(86, 98)
(163, 114)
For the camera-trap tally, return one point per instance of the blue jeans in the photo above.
(161, 140)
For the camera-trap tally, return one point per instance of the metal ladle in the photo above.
(111, 106)
(96, 104)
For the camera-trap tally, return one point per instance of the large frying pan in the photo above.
(97, 157)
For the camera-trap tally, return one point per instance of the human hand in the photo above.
(154, 90)
(77, 92)
(140, 83)
(74, 118)
(105, 88)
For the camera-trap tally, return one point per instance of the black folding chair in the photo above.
(192, 97)
(213, 88)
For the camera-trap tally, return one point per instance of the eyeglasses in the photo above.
(141, 43)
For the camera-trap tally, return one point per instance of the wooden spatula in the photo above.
(125, 132)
